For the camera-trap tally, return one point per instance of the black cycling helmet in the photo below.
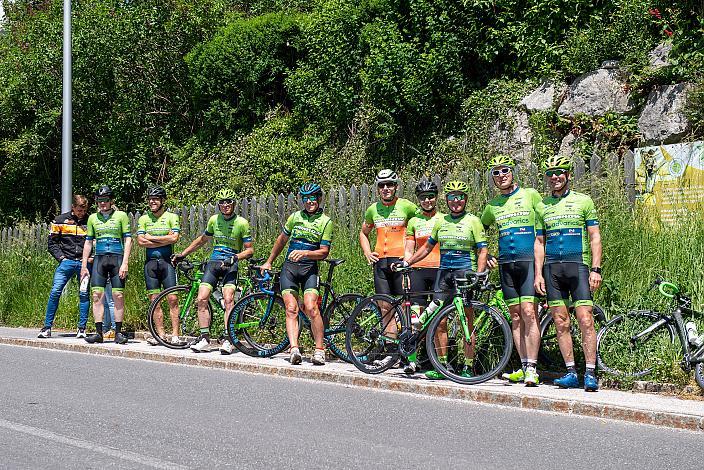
(104, 191)
(156, 191)
(310, 189)
(424, 187)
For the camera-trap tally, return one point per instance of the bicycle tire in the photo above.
(335, 320)
(188, 321)
(492, 338)
(549, 355)
(252, 333)
(699, 374)
(364, 335)
(618, 355)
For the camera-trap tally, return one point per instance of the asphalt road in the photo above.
(69, 410)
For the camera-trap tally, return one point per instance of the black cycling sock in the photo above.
(118, 327)
(99, 328)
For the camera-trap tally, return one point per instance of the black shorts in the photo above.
(158, 274)
(387, 281)
(567, 280)
(517, 282)
(216, 270)
(423, 279)
(107, 267)
(297, 276)
(445, 283)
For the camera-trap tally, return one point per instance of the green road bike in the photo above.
(379, 333)
(257, 324)
(631, 345)
(184, 298)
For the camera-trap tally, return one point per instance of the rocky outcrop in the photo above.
(544, 97)
(659, 57)
(662, 120)
(513, 135)
(597, 93)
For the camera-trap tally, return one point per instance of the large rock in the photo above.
(660, 56)
(662, 120)
(567, 145)
(597, 93)
(512, 135)
(544, 97)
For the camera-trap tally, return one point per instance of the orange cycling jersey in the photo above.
(419, 230)
(390, 223)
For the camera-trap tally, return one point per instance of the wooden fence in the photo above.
(346, 206)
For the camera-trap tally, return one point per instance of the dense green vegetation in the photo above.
(261, 94)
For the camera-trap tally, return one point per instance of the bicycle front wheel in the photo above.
(472, 360)
(182, 304)
(699, 374)
(620, 351)
(336, 316)
(371, 334)
(257, 325)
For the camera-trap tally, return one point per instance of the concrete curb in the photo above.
(689, 422)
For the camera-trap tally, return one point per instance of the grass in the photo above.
(637, 248)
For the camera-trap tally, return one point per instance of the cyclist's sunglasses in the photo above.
(503, 171)
(386, 185)
(455, 197)
(555, 172)
(424, 196)
(102, 199)
(224, 202)
(311, 198)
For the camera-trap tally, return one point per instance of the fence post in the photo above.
(595, 172)
(579, 167)
(629, 175)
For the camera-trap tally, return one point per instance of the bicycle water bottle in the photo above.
(415, 316)
(692, 335)
(84, 284)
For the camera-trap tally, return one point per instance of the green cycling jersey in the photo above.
(564, 223)
(308, 232)
(229, 235)
(459, 238)
(515, 216)
(150, 224)
(108, 232)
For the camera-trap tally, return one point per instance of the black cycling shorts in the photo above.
(387, 281)
(517, 282)
(297, 276)
(567, 280)
(159, 274)
(216, 270)
(423, 279)
(106, 267)
(445, 283)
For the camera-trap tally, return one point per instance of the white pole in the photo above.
(67, 128)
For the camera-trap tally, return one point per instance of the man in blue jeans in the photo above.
(66, 240)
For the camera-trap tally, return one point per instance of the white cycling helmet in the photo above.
(386, 176)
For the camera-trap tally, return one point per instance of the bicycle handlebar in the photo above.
(666, 289)
(262, 281)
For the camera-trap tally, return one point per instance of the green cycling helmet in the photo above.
(456, 187)
(501, 160)
(225, 194)
(557, 161)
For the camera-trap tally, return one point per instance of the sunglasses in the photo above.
(226, 202)
(455, 197)
(555, 172)
(386, 185)
(102, 199)
(502, 171)
(309, 198)
(423, 197)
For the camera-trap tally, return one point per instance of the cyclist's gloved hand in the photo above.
(398, 266)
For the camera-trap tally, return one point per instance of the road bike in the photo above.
(379, 332)
(257, 324)
(184, 297)
(631, 345)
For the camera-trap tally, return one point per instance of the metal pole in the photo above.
(67, 128)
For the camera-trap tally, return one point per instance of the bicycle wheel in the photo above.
(549, 355)
(257, 325)
(335, 319)
(492, 339)
(189, 329)
(370, 336)
(699, 374)
(618, 353)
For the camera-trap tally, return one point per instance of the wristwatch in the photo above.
(596, 270)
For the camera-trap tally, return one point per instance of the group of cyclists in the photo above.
(547, 246)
